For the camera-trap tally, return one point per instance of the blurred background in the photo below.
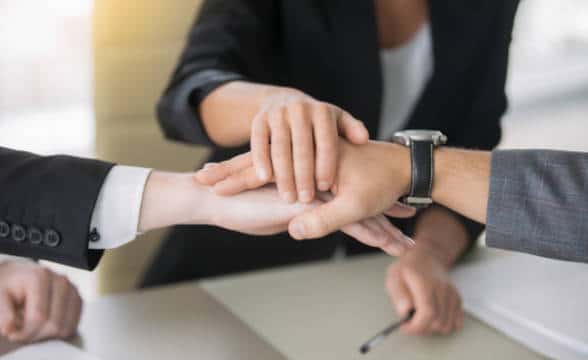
(81, 77)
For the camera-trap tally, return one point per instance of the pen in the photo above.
(379, 337)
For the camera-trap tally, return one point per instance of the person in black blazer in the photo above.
(247, 62)
(68, 210)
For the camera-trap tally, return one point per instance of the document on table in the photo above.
(539, 302)
(50, 350)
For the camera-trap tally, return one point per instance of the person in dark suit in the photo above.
(68, 210)
(290, 77)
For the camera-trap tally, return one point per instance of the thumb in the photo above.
(322, 220)
(400, 210)
(353, 129)
(399, 293)
(8, 318)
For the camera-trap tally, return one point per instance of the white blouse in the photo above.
(406, 71)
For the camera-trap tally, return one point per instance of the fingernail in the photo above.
(209, 165)
(323, 186)
(305, 196)
(298, 230)
(262, 174)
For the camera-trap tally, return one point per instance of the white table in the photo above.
(326, 310)
(317, 311)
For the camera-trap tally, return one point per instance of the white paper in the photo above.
(50, 350)
(539, 302)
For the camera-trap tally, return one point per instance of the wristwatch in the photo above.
(422, 144)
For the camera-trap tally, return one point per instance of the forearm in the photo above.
(227, 112)
(462, 181)
(442, 234)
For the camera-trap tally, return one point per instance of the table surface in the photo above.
(326, 310)
(313, 311)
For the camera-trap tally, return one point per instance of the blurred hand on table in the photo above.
(36, 304)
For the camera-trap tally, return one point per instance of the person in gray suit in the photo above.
(532, 201)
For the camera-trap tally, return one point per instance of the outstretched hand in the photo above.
(263, 212)
(365, 187)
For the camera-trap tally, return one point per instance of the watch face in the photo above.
(405, 137)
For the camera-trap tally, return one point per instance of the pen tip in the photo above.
(364, 349)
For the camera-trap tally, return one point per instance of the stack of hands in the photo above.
(313, 171)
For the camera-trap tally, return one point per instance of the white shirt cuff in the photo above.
(115, 219)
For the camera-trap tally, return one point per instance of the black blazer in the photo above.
(46, 205)
(329, 49)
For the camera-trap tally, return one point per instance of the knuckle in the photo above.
(428, 312)
(62, 281)
(42, 274)
(53, 329)
(39, 316)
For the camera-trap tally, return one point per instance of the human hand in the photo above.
(370, 180)
(171, 199)
(36, 304)
(418, 280)
(295, 140)
(236, 175)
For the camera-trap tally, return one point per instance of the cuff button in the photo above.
(94, 236)
(4, 229)
(35, 236)
(19, 233)
(52, 238)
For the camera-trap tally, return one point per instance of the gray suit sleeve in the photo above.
(538, 203)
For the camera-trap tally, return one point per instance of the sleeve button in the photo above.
(35, 236)
(52, 238)
(18, 233)
(94, 236)
(4, 229)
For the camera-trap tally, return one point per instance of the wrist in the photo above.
(172, 199)
(441, 232)
(400, 166)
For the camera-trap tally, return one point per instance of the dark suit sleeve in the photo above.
(481, 128)
(46, 205)
(231, 40)
(538, 203)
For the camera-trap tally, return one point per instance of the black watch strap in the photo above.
(422, 173)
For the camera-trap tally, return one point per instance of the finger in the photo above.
(8, 318)
(260, 147)
(460, 316)
(452, 310)
(322, 220)
(352, 129)
(281, 151)
(360, 232)
(395, 241)
(54, 327)
(72, 317)
(425, 303)
(377, 238)
(398, 292)
(443, 303)
(212, 173)
(400, 210)
(327, 143)
(36, 305)
(303, 153)
(245, 180)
